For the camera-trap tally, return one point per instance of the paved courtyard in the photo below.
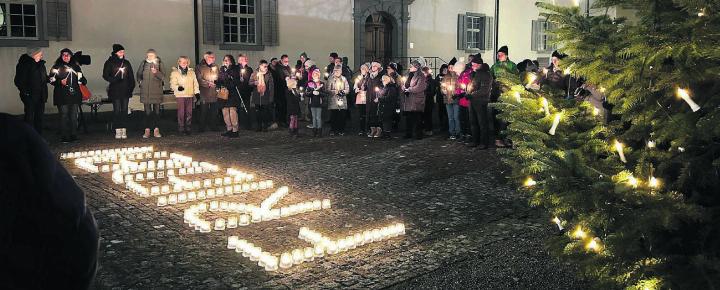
(465, 227)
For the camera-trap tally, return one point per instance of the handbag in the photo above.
(223, 94)
(86, 94)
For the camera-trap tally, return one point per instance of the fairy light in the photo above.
(594, 245)
(558, 222)
(529, 182)
(653, 182)
(619, 149)
(556, 122)
(579, 233)
(546, 106)
(632, 181)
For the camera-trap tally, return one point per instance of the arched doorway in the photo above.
(378, 38)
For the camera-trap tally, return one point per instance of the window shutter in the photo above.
(212, 21)
(270, 28)
(461, 37)
(489, 35)
(535, 38)
(551, 36)
(57, 20)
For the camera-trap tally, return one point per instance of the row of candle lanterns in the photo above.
(321, 246)
(114, 151)
(166, 197)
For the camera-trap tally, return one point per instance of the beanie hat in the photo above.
(558, 54)
(477, 59)
(503, 49)
(453, 61)
(32, 51)
(393, 66)
(303, 54)
(117, 47)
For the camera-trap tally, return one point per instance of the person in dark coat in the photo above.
(389, 98)
(331, 64)
(245, 91)
(48, 236)
(316, 93)
(118, 72)
(373, 86)
(480, 96)
(228, 79)
(207, 74)
(31, 79)
(430, 91)
(440, 99)
(293, 97)
(412, 103)
(393, 70)
(280, 73)
(262, 96)
(67, 76)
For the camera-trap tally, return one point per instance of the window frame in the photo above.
(480, 32)
(238, 45)
(15, 41)
(544, 40)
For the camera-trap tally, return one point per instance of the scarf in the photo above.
(183, 71)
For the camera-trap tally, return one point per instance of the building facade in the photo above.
(362, 30)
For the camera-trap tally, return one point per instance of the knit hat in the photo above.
(117, 47)
(304, 55)
(66, 50)
(477, 59)
(334, 55)
(393, 66)
(503, 49)
(453, 61)
(558, 54)
(32, 51)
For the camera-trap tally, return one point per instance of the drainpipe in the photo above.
(497, 27)
(197, 32)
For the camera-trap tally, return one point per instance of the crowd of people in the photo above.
(275, 94)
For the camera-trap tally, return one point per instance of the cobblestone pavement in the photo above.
(465, 227)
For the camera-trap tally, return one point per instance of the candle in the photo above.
(220, 224)
(298, 256)
(619, 149)
(244, 220)
(232, 222)
(685, 95)
(555, 124)
(546, 106)
(332, 248)
(557, 221)
(326, 204)
(579, 233)
(319, 251)
(162, 201)
(653, 182)
(632, 181)
(286, 260)
(232, 242)
(651, 144)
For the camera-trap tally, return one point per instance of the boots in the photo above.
(147, 133)
(378, 132)
(371, 133)
(118, 133)
(156, 133)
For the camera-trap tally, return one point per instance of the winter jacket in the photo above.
(70, 92)
(360, 89)
(479, 92)
(555, 78)
(267, 98)
(48, 236)
(504, 68)
(373, 87)
(316, 101)
(279, 74)
(448, 87)
(229, 78)
(207, 74)
(414, 98)
(292, 96)
(151, 84)
(389, 98)
(339, 88)
(188, 82)
(119, 73)
(31, 79)
(244, 83)
(430, 91)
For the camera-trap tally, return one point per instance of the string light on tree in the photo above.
(579, 233)
(653, 182)
(685, 95)
(556, 122)
(632, 181)
(594, 245)
(546, 106)
(558, 222)
(529, 182)
(619, 149)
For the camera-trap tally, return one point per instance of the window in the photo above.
(475, 32)
(542, 40)
(239, 22)
(18, 20)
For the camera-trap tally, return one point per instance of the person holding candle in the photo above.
(337, 105)
(31, 79)
(185, 86)
(281, 72)
(293, 96)
(412, 103)
(228, 79)
(67, 76)
(449, 89)
(262, 96)
(374, 86)
(388, 102)
(480, 96)
(430, 92)
(150, 76)
(316, 93)
(360, 89)
(118, 72)
(245, 91)
(441, 110)
(393, 70)
(207, 74)
(309, 66)
(463, 81)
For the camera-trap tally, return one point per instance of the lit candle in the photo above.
(220, 224)
(244, 220)
(685, 95)
(653, 182)
(286, 260)
(555, 124)
(332, 248)
(232, 222)
(619, 149)
(579, 233)
(632, 181)
(232, 242)
(319, 251)
(557, 221)
(162, 201)
(326, 204)
(546, 106)
(298, 256)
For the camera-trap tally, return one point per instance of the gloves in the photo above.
(181, 88)
(197, 96)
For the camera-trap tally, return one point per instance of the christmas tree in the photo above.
(637, 199)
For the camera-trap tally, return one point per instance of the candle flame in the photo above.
(632, 181)
(529, 182)
(579, 233)
(593, 245)
(654, 182)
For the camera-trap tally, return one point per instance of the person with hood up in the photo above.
(67, 76)
(338, 87)
(150, 77)
(31, 79)
(262, 96)
(118, 72)
(412, 103)
(207, 74)
(186, 88)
